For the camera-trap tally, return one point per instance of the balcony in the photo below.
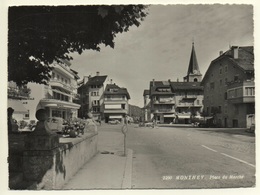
(58, 104)
(59, 83)
(187, 105)
(169, 111)
(164, 102)
(113, 111)
(241, 92)
(189, 97)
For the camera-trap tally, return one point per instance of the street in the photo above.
(186, 157)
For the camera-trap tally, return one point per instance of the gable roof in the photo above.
(97, 80)
(120, 90)
(155, 85)
(146, 92)
(245, 60)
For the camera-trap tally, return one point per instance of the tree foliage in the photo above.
(40, 35)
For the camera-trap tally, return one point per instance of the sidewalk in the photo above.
(109, 169)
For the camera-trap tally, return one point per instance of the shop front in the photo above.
(62, 109)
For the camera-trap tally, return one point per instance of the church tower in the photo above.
(193, 74)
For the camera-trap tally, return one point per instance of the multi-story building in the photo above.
(229, 95)
(162, 101)
(188, 100)
(115, 102)
(177, 102)
(58, 96)
(92, 96)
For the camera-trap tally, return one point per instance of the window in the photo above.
(123, 106)
(220, 71)
(212, 85)
(225, 95)
(236, 78)
(58, 77)
(53, 75)
(237, 109)
(198, 102)
(226, 68)
(62, 79)
(220, 82)
(249, 91)
(219, 109)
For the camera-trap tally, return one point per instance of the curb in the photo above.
(127, 178)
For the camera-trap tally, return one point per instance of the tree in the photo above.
(40, 35)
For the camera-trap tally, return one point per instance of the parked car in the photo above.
(113, 122)
(57, 124)
(251, 129)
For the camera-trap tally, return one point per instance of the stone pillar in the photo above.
(39, 154)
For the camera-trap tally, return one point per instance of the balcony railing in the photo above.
(164, 111)
(241, 92)
(59, 83)
(164, 102)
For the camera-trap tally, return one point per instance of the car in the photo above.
(57, 124)
(252, 128)
(113, 122)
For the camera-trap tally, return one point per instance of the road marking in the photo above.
(238, 159)
(209, 148)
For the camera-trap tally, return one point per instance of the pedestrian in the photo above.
(10, 112)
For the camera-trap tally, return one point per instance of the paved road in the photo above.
(183, 157)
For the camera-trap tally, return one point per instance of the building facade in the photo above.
(115, 102)
(188, 100)
(178, 102)
(91, 93)
(58, 96)
(229, 89)
(162, 101)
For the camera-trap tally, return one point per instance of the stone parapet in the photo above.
(51, 169)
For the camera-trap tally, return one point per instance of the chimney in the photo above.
(85, 79)
(153, 82)
(97, 73)
(220, 53)
(177, 79)
(235, 52)
(111, 81)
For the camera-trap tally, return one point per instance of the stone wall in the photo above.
(51, 169)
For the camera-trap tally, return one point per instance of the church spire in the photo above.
(193, 74)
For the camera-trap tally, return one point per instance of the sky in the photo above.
(160, 47)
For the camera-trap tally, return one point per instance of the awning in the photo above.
(183, 116)
(116, 116)
(17, 106)
(51, 105)
(169, 116)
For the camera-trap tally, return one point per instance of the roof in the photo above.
(120, 90)
(146, 92)
(245, 60)
(245, 57)
(193, 65)
(155, 85)
(97, 80)
(186, 86)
